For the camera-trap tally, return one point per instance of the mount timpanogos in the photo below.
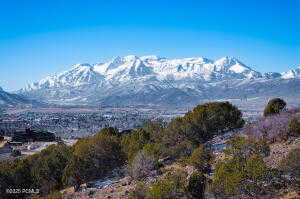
(152, 80)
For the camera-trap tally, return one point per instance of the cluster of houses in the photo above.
(21, 137)
(28, 135)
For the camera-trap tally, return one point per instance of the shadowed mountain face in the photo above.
(8, 100)
(151, 80)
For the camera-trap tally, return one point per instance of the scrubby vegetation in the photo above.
(141, 191)
(201, 159)
(182, 135)
(291, 164)
(142, 165)
(196, 185)
(200, 125)
(294, 126)
(174, 184)
(274, 128)
(242, 148)
(243, 171)
(170, 186)
(59, 166)
(134, 142)
(93, 157)
(42, 171)
(154, 151)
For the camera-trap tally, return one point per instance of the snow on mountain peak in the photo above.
(230, 63)
(152, 79)
(151, 58)
(294, 73)
(233, 65)
(126, 68)
(129, 58)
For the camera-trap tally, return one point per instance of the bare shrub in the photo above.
(273, 128)
(142, 165)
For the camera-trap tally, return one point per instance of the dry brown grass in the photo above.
(292, 195)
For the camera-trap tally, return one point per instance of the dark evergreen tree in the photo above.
(274, 106)
(196, 185)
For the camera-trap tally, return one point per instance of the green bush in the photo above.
(214, 118)
(294, 127)
(243, 171)
(6, 179)
(60, 165)
(274, 106)
(23, 175)
(133, 142)
(153, 150)
(183, 134)
(243, 148)
(154, 126)
(110, 131)
(178, 139)
(196, 185)
(41, 171)
(201, 159)
(48, 166)
(93, 158)
(236, 177)
(75, 173)
(171, 186)
(291, 164)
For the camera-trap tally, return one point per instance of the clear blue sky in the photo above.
(41, 37)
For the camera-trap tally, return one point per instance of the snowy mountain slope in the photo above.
(152, 80)
(78, 75)
(294, 73)
(8, 100)
(125, 69)
(272, 75)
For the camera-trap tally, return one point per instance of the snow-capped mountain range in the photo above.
(132, 80)
(124, 69)
(295, 73)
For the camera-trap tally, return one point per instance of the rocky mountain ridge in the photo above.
(8, 100)
(153, 80)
